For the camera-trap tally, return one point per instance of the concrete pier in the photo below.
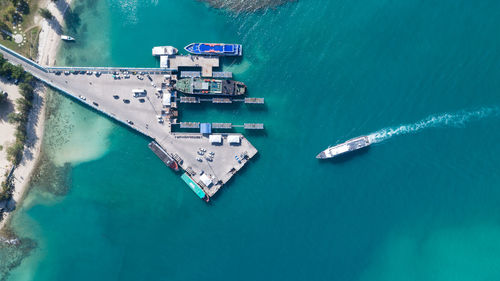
(148, 114)
(206, 63)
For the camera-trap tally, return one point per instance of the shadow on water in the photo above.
(229, 61)
(256, 133)
(345, 157)
(72, 18)
(257, 107)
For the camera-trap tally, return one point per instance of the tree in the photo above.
(10, 11)
(24, 7)
(26, 90)
(6, 70)
(15, 152)
(17, 72)
(28, 78)
(46, 14)
(5, 28)
(14, 118)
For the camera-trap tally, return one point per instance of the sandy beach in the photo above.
(49, 42)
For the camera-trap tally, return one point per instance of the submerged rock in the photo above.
(246, 5)
(12, 251)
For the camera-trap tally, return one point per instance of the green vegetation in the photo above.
(6, 188)
(19, 12)
(20, 117)
(15, 72)
(46, 14)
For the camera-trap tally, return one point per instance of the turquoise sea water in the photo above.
(420, 204)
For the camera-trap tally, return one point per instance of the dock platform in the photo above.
(222, 100)
(189, 74)
(206, 63)
(189, 100)
(254, 100)
(222, 125)
(222, 74)
(253, 126)
(190, 125)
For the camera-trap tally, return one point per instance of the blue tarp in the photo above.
(205, 128)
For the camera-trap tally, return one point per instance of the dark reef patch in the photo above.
(12, 251)
(239, 6)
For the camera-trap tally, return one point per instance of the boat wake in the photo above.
(457, 119)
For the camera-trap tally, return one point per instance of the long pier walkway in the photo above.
(114, 98)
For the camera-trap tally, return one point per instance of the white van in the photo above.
(139, 92)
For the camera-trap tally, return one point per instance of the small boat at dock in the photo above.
(214, 49)
(348, 146)
(67, 38)
(163, 155)
(164, 51)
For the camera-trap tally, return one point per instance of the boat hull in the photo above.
(346, 147)
(214, 49)
(210, 87)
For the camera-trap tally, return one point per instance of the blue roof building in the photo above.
(205, 128)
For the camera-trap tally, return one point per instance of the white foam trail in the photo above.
(457, 119)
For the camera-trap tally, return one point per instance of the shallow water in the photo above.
(422, 206)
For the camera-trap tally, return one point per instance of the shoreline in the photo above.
(48, 46)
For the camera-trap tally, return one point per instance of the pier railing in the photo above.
(147, 70)
(23, 58)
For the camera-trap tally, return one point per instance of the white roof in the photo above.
(206, 180)
(164, 61)
(166, 99)
(233, 139)
(215, 138)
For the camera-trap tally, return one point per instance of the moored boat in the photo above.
(163, 155)
(214, 49)
(173, 165)
(67, 38)
(199, 86)
(164, 51)
(348, 146)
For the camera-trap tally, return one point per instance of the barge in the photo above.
(163, 155)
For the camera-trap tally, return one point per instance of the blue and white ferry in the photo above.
(214, 49)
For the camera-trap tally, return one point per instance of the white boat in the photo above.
(348, 146)
(67, 38)
(164, 51)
